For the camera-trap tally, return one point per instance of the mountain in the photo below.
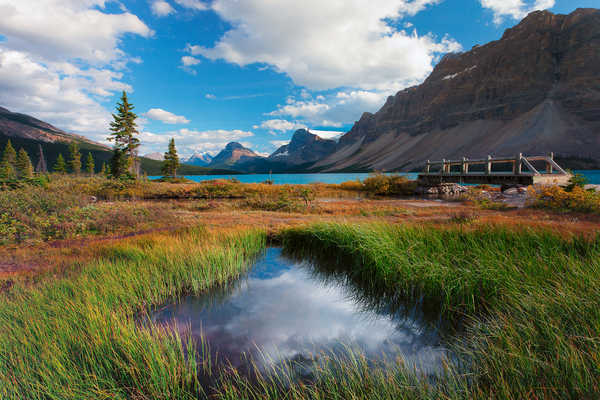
(304, 148)
(29, 133)
(534, 91)
(234, 154)
(199, 159)
(155, 156)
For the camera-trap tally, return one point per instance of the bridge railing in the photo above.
(517, 166)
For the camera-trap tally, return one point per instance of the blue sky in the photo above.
(253, 71)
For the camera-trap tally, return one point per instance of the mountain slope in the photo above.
(199, 159)
(234, 154)
(29, 133)
(535, 90)
(304, 148)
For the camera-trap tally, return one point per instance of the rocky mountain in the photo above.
(535, 90)
(234, 154)
(199, 159)
(16, 125)
(155, 156)
(304, 148)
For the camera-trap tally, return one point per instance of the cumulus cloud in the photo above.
(161, 8)
(158, 114)
(335, 110)
(210, 96)
(279, 125)
(330, 44)
(66, 29)
(60, 60)
(516, 9)
(191, 141)
(188, 61)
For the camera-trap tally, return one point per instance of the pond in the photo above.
(285, 310)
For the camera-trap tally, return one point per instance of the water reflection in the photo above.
(288, 310)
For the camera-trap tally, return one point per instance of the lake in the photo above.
(289, 311)
(299, 179)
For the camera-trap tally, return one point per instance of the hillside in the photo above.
(28, 132)
(535, 90)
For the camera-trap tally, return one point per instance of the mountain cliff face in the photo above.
(304, 148)
(535, 90)
(234, 154)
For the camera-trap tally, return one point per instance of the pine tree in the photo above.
(89, 164)
(103, 170)
(171, 162)
(123, 130)
(119, 163)
(74, 158)
(8, 163)
(60, 166)
(24, 166)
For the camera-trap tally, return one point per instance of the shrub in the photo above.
(559, 199)
(389, 185)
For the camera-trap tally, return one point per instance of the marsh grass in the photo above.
(528, 299)
(77, 337)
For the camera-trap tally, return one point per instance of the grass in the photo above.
(528, 299)
(76, 337)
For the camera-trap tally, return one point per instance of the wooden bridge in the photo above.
(523, 171)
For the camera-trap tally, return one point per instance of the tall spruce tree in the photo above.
(123, 133)
(103, 170)
(8, 163)
(74, 158)
(61, 165)
(171, 162)
(24, 166)
(89, 164)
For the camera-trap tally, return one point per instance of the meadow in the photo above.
(519, 287)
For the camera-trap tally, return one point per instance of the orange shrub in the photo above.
(557, 198)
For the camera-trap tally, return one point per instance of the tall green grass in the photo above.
(77, 337)
(530, 299)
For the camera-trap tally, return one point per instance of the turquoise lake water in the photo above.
(298, 179)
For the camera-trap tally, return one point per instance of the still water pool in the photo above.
(285, 310)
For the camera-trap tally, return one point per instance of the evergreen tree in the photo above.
(103, 170)
(171, 162)
(8, 163)
(89, 164)
(74, 158)
(119, 163)
(24, 166)
(123, 134)
(60, 166)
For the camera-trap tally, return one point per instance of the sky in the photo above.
(208, 72)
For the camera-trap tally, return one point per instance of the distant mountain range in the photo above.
(199, 159)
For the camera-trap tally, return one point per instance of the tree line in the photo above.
(124, 163)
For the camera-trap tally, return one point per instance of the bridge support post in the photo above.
(444, 167)
(465, 166)
(488, 165)
(428, 167)
(549, 164)
(518, 165)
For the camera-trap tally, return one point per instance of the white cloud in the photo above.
(189, 141)
(66, 29)
(167, 117)
(330, 44)
(189, 61)
(516, 9)
(210, 96)
(192, 4)
(335, 110)
(279, 125)
(161, 8)
(61, 60)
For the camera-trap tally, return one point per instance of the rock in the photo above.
(534, 91)
(447, 189)
(304, 148)
(592, 187)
